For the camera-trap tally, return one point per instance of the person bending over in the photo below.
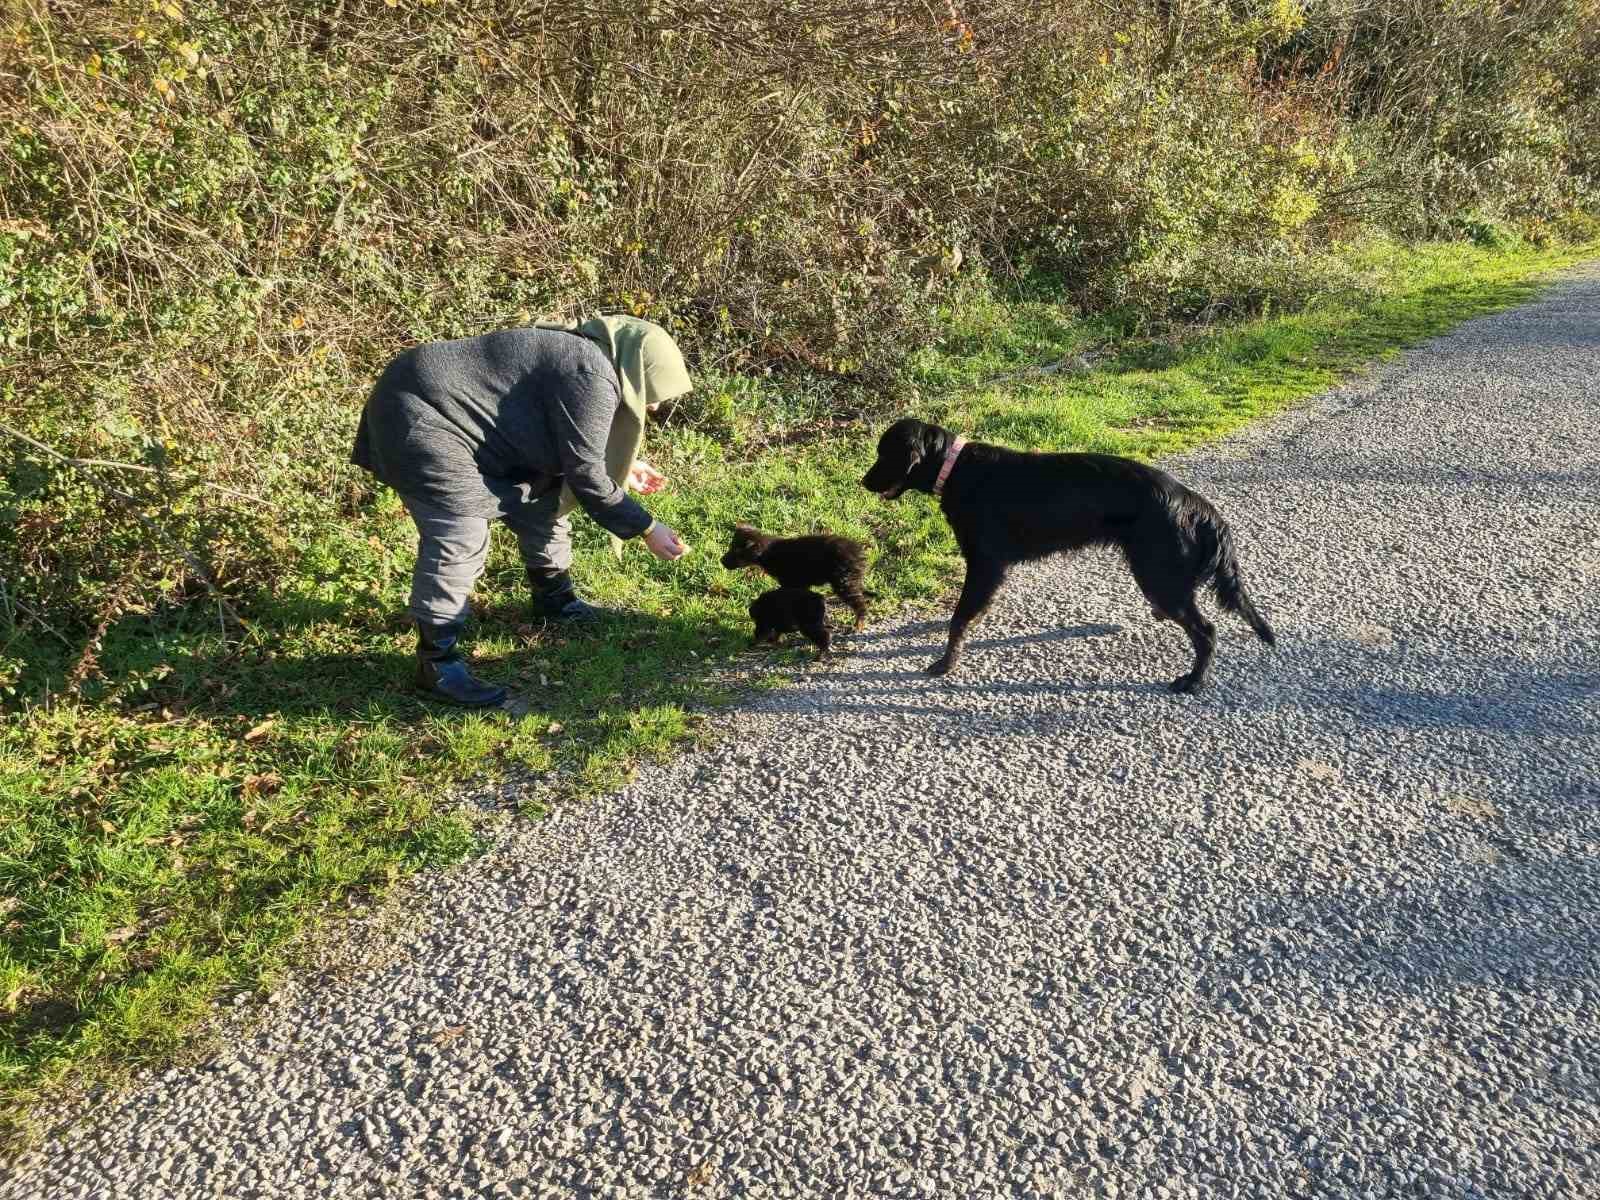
(519, 426)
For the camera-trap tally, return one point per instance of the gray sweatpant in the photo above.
(452, 549)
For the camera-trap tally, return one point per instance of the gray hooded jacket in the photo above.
(480, 426)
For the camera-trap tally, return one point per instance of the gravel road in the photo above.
(1042, 929)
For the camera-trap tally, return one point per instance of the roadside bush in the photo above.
(1487, 104)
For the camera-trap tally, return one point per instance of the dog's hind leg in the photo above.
(851, 593)
(1152, 559)
(819, 636)
(1204, 636)
(984, 576)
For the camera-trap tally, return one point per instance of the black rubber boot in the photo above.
(556, 599)
(442, 672)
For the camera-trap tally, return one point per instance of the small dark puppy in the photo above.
(790, 610)
(1010, 506)
(802, 562)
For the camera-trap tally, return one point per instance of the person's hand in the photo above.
(665, 543)
(645, 479)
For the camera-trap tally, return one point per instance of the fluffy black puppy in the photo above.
(802, 562)
(1010, 506)
(787, 610)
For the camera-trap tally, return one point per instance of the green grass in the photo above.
(166, 836)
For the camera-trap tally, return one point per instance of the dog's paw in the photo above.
(942, 666)
(1187, 685)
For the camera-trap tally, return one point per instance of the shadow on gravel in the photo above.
(1358, 471)
(899, 631)
(1491, 917)
(1510, 699)
(916, 683)
(1539, 703)
(932, 650)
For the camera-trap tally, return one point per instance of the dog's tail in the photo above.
(1223, 569)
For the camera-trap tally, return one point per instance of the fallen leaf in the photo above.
(121, 935)
(556, 726)
(260, 731)
(1318, 770)
(1477, 807)
(698, 1177)
(448, 1034)
(261, 785)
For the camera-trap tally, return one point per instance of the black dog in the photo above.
(1009, 506)
(802, 562)
(787, 610)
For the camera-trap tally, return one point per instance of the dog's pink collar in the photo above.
(949, 462)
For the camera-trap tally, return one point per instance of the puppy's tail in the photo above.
(1223, 568)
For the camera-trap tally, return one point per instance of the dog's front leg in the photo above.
(984, 576)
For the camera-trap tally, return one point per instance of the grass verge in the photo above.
(166, 834)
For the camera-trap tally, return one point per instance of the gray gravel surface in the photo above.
(1041, 929)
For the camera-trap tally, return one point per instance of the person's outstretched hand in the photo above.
(665, 543)
(644, 478)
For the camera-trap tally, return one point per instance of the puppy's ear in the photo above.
(747, 530)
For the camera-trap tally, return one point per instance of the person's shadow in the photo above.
(351, 659)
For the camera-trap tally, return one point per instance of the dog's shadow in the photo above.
(895, 683)
(899, 631)
(1043, 636)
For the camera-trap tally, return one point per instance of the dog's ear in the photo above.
(747, 530)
